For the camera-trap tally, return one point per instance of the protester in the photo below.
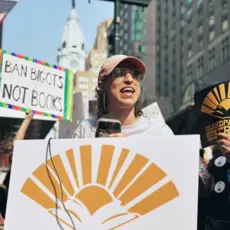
(218, 217)
(19, 136)
(119, 95)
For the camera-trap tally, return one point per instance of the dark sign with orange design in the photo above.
(213, 107)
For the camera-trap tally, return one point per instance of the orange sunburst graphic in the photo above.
(108, 187)
(217, 102)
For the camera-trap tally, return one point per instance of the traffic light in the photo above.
(110, 44)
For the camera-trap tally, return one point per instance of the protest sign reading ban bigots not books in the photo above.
(27, 83)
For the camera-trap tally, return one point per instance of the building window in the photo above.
(141, 48)
(83, 79)
(64, 44)
(200, 67)
(174, 13)
(224, 10)
(166, 87)
(189, 29)
(189, 73)
(174, 3)
(138, 22)
(211, 35)
(211, 4)
(190, 2)
(200, 44)
(181, 75)
(189, 14)
(211, 20)
(199, 3)
(225, 49)
(173, 33)
(182, 9)
(211, 58)
(83, 86)
(200, 18)
(189, 53)
(224, 25)
(200, 30)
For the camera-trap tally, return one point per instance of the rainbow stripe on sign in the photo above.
(68, 101)
(8, 106)
(32, 60)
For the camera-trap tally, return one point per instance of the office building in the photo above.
(192, 47)
(86, 81)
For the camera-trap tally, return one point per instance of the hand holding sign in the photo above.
(29, 114)
(224, 143)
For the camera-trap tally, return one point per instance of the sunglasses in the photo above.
(137, 74)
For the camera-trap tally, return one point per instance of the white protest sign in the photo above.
(116, 183)
(153, 111)
(66, 128)
(27, 83)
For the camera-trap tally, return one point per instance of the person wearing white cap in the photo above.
(119, 95)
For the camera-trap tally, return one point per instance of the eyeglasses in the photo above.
(137, 74)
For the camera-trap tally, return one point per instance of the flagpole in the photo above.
(73, 3)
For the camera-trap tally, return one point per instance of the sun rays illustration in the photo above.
(107, 186)
(217, 102)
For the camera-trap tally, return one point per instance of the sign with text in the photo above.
(212, 106)
(27, 83)
(100, 183)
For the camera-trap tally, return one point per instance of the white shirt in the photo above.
(143, 126)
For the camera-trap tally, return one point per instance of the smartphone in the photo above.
(107, 126)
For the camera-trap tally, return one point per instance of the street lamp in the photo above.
(116, 21)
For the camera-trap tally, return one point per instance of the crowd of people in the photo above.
(119, 94)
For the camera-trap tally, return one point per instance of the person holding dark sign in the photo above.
(119, 96)
(211, 107)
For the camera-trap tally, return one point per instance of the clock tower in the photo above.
(72, 54)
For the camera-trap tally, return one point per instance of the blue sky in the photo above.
(34, 27)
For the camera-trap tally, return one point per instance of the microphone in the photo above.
(106, 125)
